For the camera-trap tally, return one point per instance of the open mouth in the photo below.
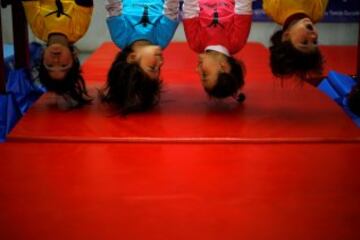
(310, 27)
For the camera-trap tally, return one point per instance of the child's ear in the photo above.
(131, 58)
(74, 50)
(225, 66)
(75, 53)
(285, 36)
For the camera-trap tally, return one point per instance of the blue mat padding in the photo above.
(338, 87)
(9, 114)
(21, 91)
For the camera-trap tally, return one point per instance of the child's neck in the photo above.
(141, 43)
(58, 38)
(293, 19)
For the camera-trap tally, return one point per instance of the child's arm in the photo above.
(240, 29)
(273, 10)
(192, 27)
(166, 28)
(319, 10)
(117, 24)
(33, 17)
(32, 9)
(85, 3)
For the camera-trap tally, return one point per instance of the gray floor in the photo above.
(83, 56)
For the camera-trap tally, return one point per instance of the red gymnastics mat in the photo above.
(290, 113)
(283, 165)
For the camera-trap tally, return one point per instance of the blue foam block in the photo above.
(21, 90)
(22, 87)
(328, 89)
(338, 87)
(342, 83)
(9, 114)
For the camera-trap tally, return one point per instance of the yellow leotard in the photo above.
(73, 23)
(280, 10)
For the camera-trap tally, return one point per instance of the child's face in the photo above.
(58, 60)
(150, 59)
(209, 67)
(303, 35)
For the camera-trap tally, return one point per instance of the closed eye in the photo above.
(153, 69)
(305, 42)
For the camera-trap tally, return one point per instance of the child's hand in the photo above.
(114, 7)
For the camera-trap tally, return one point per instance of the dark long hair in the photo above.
(128, 87)
(73, 85)
(287, 61)
(228, 84)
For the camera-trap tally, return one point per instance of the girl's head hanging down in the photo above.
(149, 57)
(294, 50)
(133, 83)
(141, 28)
(217, 30)
(221, 75)
(60, 70)
(61, 24)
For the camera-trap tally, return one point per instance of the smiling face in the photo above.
(303, 35)
(58, 59)
(210, 65)
(149, 58)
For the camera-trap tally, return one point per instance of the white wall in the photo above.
(330, 33)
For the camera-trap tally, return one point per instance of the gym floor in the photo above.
(282, 165)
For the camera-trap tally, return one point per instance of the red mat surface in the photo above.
(270, 111)
(284, 165)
